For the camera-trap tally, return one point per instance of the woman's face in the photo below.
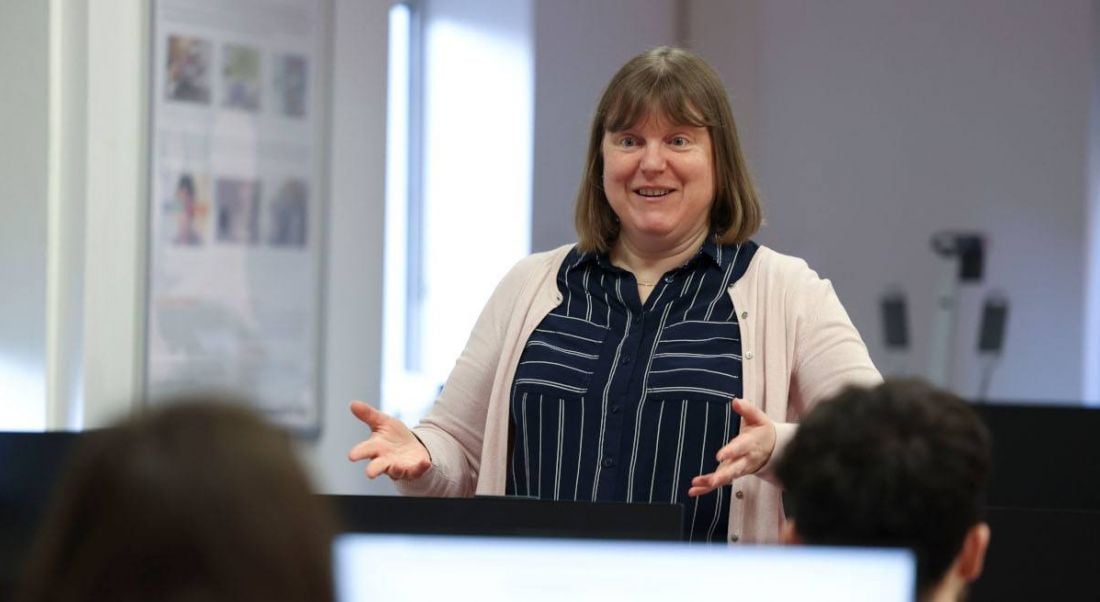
(659, 180)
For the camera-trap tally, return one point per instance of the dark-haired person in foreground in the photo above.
(899, 465)
(199, 500)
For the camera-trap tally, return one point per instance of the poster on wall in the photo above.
(236, 199)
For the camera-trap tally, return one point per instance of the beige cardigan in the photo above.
(798, 346)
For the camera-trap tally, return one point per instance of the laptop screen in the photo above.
(419, 567)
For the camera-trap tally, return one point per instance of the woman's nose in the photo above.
(653, 158)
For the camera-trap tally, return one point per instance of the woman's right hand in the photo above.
(392, 448)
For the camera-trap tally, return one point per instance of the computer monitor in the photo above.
(420, 567)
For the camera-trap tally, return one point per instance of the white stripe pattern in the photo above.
(702, 457)
(558, 364)
(560, 446)
(633, 371)
(675, 493)
(656, 451)
(589, 356)
(570, 335)
(607, 389)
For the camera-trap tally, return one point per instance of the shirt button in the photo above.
(739, 494)
(734, 538)
(744, 315)
(669, 279)
(626, 359)
(608, 462)
(615, 409)
(748, 355)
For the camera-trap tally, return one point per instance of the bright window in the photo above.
(458, 191)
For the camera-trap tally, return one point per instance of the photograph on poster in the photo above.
(186, 209)
(187, 73)
(291, 84)
(238, 209)
(289, 214)
(241, 77)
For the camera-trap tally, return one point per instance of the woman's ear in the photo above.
(788, 534)
(972, 556)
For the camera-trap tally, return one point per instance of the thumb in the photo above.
(368, 415)
(753, 415)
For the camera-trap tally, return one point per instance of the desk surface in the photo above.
(508, 516)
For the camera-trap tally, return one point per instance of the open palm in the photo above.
(392, 448)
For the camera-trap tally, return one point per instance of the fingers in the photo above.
(368, 415)
(703, 484)
(738, 447)
(363, 450)
(753, 415)
(722, 476)
(377, 467)
(757, 437)
(743, 455)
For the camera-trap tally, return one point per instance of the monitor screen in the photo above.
(421, 567)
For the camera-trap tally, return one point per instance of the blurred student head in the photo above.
(194, 500)
(903, 465)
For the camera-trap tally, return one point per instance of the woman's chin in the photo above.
(656, 232)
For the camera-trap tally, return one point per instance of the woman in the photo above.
(198, 500)
(605, 370)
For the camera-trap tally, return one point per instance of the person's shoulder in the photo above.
(545, 259)
(536, 266)
(780, 266)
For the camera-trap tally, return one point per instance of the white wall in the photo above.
(873, 124)
(579, 44)
(72, 160)
(24, 45)
(113, 193)
(353, 295)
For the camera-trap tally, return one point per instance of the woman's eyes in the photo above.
(633, 141)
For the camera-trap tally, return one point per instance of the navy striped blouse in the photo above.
(616, 400)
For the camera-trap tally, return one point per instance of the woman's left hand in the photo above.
(744, 454)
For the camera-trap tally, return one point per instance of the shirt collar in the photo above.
(711, 251)
(720, 255)
(589, 256)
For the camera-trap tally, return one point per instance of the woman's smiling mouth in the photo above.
(652, 192)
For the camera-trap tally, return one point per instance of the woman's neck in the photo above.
(648, 262)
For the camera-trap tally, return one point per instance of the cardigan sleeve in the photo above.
(453, 430)
(828, 353)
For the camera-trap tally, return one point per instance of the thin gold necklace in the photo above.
(640, 283)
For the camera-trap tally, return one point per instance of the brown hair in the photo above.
(196, 500)
(680, 85)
